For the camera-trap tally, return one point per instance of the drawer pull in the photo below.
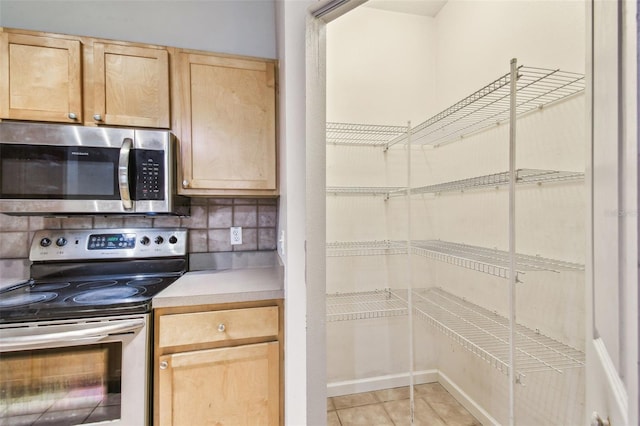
(221, 327)
(163, 365)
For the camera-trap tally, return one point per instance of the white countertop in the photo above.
(223, 286)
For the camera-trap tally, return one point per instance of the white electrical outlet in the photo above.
(235, 235)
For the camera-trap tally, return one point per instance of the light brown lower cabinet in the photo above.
(227, 386)
(218, 365)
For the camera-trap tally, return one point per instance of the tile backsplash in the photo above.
(208, 226)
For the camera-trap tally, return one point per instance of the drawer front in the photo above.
(218, 326)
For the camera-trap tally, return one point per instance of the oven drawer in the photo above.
(218, 326)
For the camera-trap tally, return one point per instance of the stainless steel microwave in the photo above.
(50, 169)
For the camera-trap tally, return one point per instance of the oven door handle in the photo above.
(123, 174)
(33, 338)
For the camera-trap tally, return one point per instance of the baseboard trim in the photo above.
(380, 382)
(397, 380)
(467, 402)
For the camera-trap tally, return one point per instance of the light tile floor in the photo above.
(434, 406)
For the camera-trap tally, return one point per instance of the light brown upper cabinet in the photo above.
(40, 78)
(50, 77)
(225, 119)
(131, 86)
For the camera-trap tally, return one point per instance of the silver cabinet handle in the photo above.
(163, 365)
(221, 327)
(72, 116)
(97, 117)
(185, 183)
(123, 174)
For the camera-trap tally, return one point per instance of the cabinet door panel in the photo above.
(40, 78)
(131, 85)
(227, 386)
(228, 123)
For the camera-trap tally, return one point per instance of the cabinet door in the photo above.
(227, 120)
(228, 386)
(40, 78)
(131, 86)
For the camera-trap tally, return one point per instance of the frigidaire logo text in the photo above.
(79, 153)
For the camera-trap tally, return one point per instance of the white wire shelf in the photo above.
(480, 331)
(481, 259)
(362, 134)
(486, 334)
(487, 260)
(384, 191)
(364, 305)
(365, 248)
(523, 176)
(536, 87)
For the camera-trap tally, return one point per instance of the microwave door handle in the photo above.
(123, 174)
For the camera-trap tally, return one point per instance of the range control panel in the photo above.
(130, 243)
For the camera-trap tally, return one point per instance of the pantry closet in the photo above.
(456, 206)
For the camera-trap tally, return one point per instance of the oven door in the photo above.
(75, 372)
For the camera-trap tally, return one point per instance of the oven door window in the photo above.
(58, 172)
(72, 385)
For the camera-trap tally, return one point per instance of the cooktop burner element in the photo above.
(24, 299)
(97, 284)
(52, 286)
(145, 281)
(105, 296)
(71, 278)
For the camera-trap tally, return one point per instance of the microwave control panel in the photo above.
(150, 175)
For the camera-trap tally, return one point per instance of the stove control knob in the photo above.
(159, 240)
(45, 242)
(145, 241)
(61, 241)
(173, 239)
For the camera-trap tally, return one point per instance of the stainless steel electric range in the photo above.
(75, 337)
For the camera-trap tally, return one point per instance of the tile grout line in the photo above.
(434, 410)
(389, 415)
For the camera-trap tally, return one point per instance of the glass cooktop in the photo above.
(63, 299)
